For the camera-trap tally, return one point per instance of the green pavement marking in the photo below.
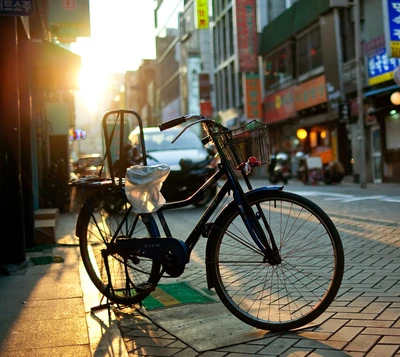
(167, 295)
(46, 259)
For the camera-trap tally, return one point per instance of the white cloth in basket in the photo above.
(143, 187)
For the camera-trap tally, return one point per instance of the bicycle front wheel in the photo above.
(292, 293)
(105, 215)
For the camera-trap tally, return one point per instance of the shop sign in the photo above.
(247, 36)
(279, 106)
(202, 14)
(344, 112)
(16, 7)
(310, 93)
(193, 85)
(391, 11)
(381, 67)
(253, 96)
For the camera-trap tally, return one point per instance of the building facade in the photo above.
(310, 83)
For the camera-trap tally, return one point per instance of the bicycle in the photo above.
(274, 258)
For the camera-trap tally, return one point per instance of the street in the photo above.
(363, 320)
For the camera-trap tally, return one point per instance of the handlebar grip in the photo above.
(171, 123)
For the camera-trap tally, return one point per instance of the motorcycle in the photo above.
(278, 168)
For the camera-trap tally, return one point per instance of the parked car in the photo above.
(191, 164)
(88, 165)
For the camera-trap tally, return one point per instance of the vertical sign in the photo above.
(247, 35)
(391, 20)
(202, 14)
(193, 85)
(253, 96)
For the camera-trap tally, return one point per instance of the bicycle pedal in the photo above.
(145, 288)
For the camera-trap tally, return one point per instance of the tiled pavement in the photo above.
(364, 320)
(45, 310)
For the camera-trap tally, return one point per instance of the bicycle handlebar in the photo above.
(182, 119)
(171, 123)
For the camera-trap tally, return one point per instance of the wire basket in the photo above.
(238, 145)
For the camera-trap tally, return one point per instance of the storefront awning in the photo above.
(381, 90)
(55, 68)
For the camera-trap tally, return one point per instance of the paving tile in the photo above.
(333, 325)
(350, 316)
(375, 308)
(382, 331)
(362, 343)
(382, 350)
(154, 351)
(279, 346)
(389, 314)
(346, 334)
(369, 323)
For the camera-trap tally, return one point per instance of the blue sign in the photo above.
(16, 7)
(381, 67)
(393, 11)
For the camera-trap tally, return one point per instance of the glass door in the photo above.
(376, 154)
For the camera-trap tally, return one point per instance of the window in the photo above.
(278, 67)
(309, 51)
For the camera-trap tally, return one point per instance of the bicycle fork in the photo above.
(252, 221)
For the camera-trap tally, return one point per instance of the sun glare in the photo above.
(118, 43)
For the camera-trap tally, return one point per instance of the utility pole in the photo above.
(360, 94)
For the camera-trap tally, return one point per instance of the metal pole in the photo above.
(360, 94)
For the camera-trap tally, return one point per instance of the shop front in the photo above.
(382, 117)
(300, 123)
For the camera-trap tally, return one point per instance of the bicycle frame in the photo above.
(202, 228)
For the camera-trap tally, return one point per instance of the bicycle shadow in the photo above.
(210, 332)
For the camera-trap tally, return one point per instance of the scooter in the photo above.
(278, 168)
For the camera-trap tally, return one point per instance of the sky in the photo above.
(122, 34)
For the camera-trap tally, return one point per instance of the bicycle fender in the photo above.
(224, 215)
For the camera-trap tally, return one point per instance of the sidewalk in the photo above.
(45, 310)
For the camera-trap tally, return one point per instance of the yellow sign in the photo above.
(395, 47)
(381, 78)
(202, 14)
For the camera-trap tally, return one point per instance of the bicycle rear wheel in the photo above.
(106, 214)
(288, 295)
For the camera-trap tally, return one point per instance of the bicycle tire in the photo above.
(288, 295)
(102, 216)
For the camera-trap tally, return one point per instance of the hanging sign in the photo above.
(16, 7)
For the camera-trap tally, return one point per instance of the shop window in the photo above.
(278, 67)
(309, 51)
